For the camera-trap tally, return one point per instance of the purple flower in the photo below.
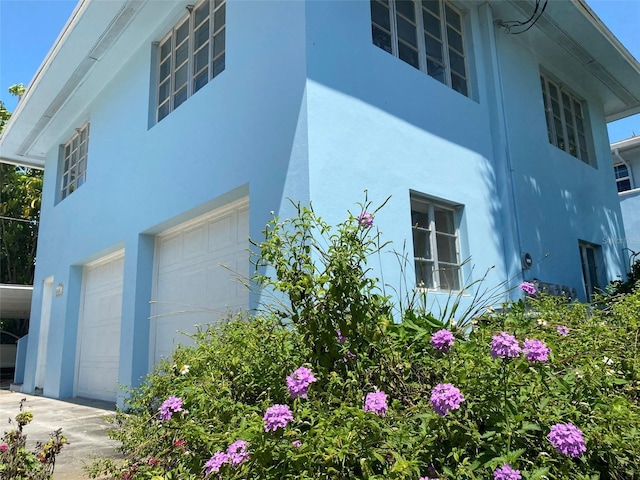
(350, 356)
(237, 452)
(341, 338)
(505, 345)
(442, 340)
(506, 473)
(567, 439)
(365, 219)
(376, 402)
(427, 478)
(296, 443)
(215, 462)
(276, 417)
(528, 287)
(562, 330)
(298, 382)
(536, 351)
(170, 406)
(445, 397)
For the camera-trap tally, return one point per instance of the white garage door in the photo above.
(99, 345)
(200, 269)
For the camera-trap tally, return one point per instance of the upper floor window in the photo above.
(435, 244)
(190, 55)
(623, 179)
(565, 120)
(74, 161)
(427, 34)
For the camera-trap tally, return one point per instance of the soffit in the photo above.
(15, 301)
(94, 46)
(572, 42)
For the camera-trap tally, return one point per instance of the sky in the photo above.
(28, 29)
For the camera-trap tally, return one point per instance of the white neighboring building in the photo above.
(626, 164)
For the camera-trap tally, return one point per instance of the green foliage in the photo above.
(19, 463)
(631, 283)
(236, 371)
(20, 197)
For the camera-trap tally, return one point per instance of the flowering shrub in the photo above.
(512, 397)
(17, 462)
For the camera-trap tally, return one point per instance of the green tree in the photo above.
(20, 196)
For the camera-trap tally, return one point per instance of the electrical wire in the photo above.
(530, 22)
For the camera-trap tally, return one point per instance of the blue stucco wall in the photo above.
(313, 111)
(235, 135)
(377, 124)
(560, 200)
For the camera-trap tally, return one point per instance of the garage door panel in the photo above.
(100, 319)
(200, 284)
(194, 242)
(242, 233)
(222, 234)
(171, 247)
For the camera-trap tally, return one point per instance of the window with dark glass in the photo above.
(426, 34)
(565, 120)
(623, 179)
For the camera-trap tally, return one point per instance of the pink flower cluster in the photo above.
(277, 416)
(442, 340)
(505, 345)
(528, 287)
(236, 454)
(536, 351)
(215, 462)
(562, 330)
(446, 397)
(365, 219)
(298, 382)
(506, 473)
(170, 406)
(376, 402)
(567, 439)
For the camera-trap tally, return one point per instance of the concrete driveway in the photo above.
(82, 421)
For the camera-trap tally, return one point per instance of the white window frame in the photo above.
(74, 161)
(207, 15)
(569, 121)
(431, 230)
(426, 62)
(620, 179)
